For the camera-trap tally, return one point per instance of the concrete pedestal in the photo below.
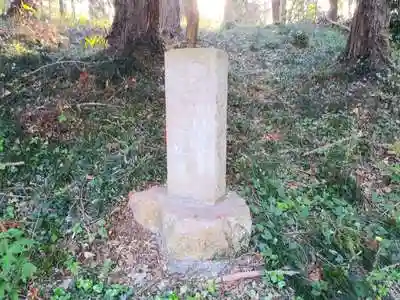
(192, 233)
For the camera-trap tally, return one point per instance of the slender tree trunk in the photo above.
(283, 12)
(62, 7)
(193, 20)
(135, 28)
(73, 9)
(333, 10)
(350, 8)
(230, 14)
(41, 14)
(170, 18)
(50, 10)
(97, 9)
(92, 9)
(368, 39)
(5, 7)
(276, 11)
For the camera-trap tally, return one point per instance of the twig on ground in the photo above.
(12, 164)
(96, 104)
(393, 266)
(85, 217)
(326, 147)
(53, 64)
(116, 92)
(241, 275)
(252, 275)
(338, 25)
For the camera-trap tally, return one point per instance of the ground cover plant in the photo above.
(313, 147)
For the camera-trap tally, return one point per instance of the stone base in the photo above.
(193, 233)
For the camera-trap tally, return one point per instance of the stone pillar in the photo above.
(196, 88)
(196, 218)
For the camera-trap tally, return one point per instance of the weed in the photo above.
(381, 280)
(16, 266)
(94, 41)
(300, 39)
(318, 163)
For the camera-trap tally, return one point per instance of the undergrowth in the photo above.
(315, 151)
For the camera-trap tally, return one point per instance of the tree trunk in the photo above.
(193, 20)
(73, 9)
(333, 10)
(350, 8)
(368, 39)
(92, 9)
(276, 11)
(170, 18)
(229, 12)
(5, 7)
(62, 7)
(135, 28)
(16, 8)
(283, 12)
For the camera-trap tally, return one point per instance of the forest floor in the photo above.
(314, 148)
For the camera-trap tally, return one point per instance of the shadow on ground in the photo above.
(314, 150)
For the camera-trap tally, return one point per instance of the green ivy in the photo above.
(16, 267)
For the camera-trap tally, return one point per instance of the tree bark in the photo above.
(61, 7)
(333, 10)
(135, 28)
(92, 9)
(349, 8)
(16, 8)
(230, 13)
(276, 11)
(193, 20)
(369, 39)
(73, 8)
(170, 18)
(283, 12)
(5, 7)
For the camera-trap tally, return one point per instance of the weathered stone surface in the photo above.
(194, 216)
(196, 83)
(146, 208)
(191, 230)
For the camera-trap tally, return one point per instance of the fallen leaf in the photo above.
(372, 244)
(5, 225)
(88, 255)
(33, 294)
(258, 255)
(66, 283)
(5, 93)
(315, 273)
(112, 146)
(272, 137)
(83, 77)
(387, 189)
(313, 170)
(292, 185)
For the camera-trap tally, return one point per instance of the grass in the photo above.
(314, 149)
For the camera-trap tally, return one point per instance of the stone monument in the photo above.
(196, 218)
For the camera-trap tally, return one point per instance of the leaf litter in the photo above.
(267, 98)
